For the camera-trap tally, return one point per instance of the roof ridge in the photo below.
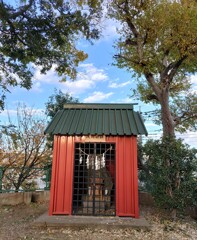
(99, 105)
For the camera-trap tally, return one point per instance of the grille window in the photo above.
(94, 179)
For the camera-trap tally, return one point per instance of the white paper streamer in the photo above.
(80, 160)
(103, 160)
(89, 191)
(88, 162)
(97, 163)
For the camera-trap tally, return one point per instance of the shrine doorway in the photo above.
(94, 179)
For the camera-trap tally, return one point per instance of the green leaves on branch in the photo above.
(56, 102)
(43, 34)
(184, 108)
(182, 103)
(156, 33)
(158, 42)
(172, 176)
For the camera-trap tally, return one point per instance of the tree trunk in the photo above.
(166, 116)
(19, 181)
(17, 186)
(1, 178)
(162, 93)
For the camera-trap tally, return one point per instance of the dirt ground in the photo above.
(16, 223)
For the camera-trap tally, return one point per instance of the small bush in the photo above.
(172, 176)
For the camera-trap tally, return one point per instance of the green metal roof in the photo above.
(97, 119)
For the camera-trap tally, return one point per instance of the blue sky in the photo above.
(97, 81)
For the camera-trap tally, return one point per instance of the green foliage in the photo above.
(184, 110)
(172, 176)
(180, 86)
(161, 37)
(43, 33)
(158, 42)
(182, 104)
(56, 102)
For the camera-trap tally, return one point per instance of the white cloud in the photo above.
(78, 86)
(36, 87)
(87, 78)
(189, 138)
(194, 90)
(124, 100)
(151, 124)
(109, 26)
(119, 85)
(110, 30)
(90, 71)
(12, 113)
(193, 79)
(97, 97)
(50, 77)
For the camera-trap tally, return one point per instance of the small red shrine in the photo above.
(94, 168)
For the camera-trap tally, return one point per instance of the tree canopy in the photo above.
(158, 42)
(43, 33)
(56, 102)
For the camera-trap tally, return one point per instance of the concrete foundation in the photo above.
(23, 197)
(91, 222)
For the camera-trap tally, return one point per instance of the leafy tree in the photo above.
(23, 148)
(43, 33)
(172, 176)
(158, 42)
(56, 102)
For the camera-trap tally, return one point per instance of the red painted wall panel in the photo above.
(126, 175)
(62, 176)
(135, 177)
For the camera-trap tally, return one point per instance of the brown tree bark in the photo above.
(162, 94)
(166, 116)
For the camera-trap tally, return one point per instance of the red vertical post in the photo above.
(54, 166)
(69, 176)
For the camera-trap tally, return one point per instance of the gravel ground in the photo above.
(16, 223)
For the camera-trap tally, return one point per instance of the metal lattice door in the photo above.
(94, 179)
